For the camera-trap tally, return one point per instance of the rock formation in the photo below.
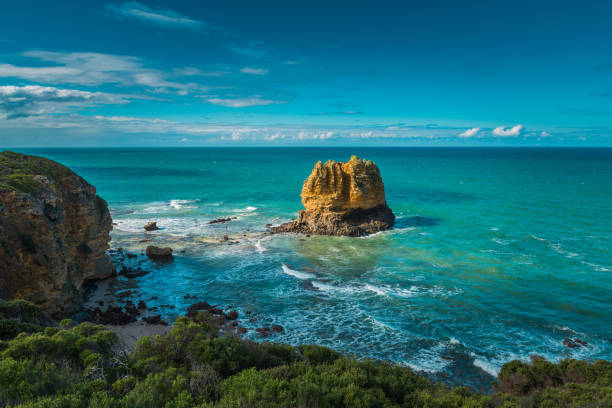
(342, 199)
(151, 226)
(160, 254)
(54, 233)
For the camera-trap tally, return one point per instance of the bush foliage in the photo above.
(195, 366)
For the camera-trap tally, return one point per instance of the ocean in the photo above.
(497, 253)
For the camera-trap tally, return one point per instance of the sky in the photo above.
(316, 73)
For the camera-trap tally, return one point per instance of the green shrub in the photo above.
(195, 366)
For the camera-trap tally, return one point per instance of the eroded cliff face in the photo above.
(342, 199)
(340, 187)
(54, 233)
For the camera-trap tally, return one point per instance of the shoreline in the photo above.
(122, 292)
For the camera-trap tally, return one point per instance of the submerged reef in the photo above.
(342, 199)
(54, 233)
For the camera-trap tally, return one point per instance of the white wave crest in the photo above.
(296, 274)
(179, 204)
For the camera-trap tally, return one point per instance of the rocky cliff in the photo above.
(342, 199)
(54, 232)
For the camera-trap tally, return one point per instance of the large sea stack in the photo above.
(54, 233)
(342, 199)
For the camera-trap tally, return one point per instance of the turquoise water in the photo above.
(497, 253)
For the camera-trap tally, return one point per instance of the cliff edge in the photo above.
(54, 233)
(342, 199)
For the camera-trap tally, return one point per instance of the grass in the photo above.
(17, 171)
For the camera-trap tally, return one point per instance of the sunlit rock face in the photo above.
(342, 199)
(54, 233)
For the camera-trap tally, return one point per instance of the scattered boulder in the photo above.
(231, 315)
(220, 220)
(342, 199)
(160, 254)
(115, 315)
(263, 331)
(194, 309)
(277, 328)
(132, 273)
(151, 226)
(155, 319)
(574, 343)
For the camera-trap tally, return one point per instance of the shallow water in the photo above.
(497, 253)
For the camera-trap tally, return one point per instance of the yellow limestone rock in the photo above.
(342, 199)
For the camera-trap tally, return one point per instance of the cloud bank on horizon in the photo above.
(186, 73)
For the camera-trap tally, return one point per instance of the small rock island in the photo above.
(342, 199)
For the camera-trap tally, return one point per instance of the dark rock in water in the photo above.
(582, 343)
(131, 308)
(342, 199)
(142, 305)
(54, 233)
(220, 220)
(215, 311)
(263, 331)
(232, 315)
(151, 226)
(241, 330)
(307, 285)
(194, 309)
(131, 255)
(132, 273)
(277, 328)
(160, 254)
(574, 343)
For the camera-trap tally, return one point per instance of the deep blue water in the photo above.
(497, 253)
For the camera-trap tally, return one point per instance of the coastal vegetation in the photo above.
(197, 364)
(17, 171)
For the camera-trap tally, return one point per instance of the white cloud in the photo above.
(470, 132)
(91, 69)
(191, 71)
(242, 102)
(254, 71)
(544, 134)
(513, 131)
(23, 101)
(159, 17)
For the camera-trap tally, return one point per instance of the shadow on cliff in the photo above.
(417, 221)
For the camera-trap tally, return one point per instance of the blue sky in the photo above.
(268, 73)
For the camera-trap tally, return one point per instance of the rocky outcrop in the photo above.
(54, 233)
(151, 226)
(342, 199)
(159, 254)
